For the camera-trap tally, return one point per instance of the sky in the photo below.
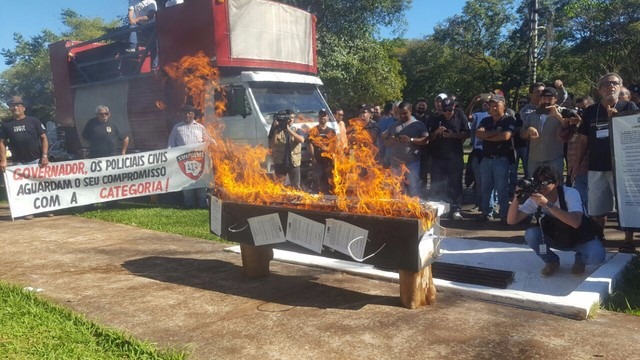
(29, 17)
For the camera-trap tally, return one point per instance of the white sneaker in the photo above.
(457, 216)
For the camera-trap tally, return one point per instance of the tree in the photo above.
(29, 74)
(605, 35)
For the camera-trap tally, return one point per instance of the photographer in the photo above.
(286, 148)
(541, 129)
(561, 225)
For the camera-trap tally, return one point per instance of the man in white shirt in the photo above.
(187, 132)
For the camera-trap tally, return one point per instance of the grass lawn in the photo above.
(32, 328)
(192, 222)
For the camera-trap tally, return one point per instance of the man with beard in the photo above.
(595, 125)
(447, 132)
(404, 140)
(541, 129)
(420, 113)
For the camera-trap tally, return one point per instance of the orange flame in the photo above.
(360, 184)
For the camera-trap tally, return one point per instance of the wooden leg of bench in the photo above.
(416, 288)
(255, 260)
(431, 287)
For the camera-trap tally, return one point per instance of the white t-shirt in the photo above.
(171, 3)
(142, 7)
(571, 197)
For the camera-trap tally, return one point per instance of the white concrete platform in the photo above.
(563, 293)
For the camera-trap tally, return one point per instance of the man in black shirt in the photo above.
(595, 125)
(104, 136)
(447, 132)
(25, 136)
(496, 131)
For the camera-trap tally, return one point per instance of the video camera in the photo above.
(527, 187)
(282, 117)
(568, 113)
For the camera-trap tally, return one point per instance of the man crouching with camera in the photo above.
(562, 224)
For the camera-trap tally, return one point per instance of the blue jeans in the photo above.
(582, 185)
(477, 174)
(413, 177)
(495, 176)
(522, 153)
(590, 253)
(194, 198)
(413, 185)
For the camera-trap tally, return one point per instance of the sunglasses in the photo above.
(611, 83)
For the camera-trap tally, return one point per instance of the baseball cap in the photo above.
(549, 91)
(496, 98)
(322, 112)
(441, 96)
(15, 100)
(188, 108)
(635, 88)
(447, 104)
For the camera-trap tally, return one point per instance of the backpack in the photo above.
(564, 236)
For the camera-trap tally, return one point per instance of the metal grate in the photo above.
(472, 275)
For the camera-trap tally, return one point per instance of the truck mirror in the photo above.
(240, 103)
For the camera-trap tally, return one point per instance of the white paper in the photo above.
(216, 215)
(304, 232)
(626, 152)
(339, 234)
(266, 229)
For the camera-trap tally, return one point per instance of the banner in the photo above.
(33, 189)
(625, 142)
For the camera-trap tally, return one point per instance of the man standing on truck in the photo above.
(104, 136)
(188, 132)
(26, 138)
(142, 12)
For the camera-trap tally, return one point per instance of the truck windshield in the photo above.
(304, 99)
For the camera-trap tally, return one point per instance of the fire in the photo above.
(361, 184)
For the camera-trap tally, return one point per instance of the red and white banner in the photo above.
(32, 189)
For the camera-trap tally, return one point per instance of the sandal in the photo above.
(627, 248)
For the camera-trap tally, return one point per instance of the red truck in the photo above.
(265, 52)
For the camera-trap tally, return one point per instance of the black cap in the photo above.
(447, 104)
(366, 107)
(549, 91)
(322, 112)
(15, 100)
(634, 88)
(188, 108)
(496, 98)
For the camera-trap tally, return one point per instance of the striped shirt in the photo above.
(187, 134)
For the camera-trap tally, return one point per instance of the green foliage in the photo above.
(32, 328)
(29, 74)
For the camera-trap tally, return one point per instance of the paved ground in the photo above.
(183, 292)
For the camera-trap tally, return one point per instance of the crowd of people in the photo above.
(551, 134)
